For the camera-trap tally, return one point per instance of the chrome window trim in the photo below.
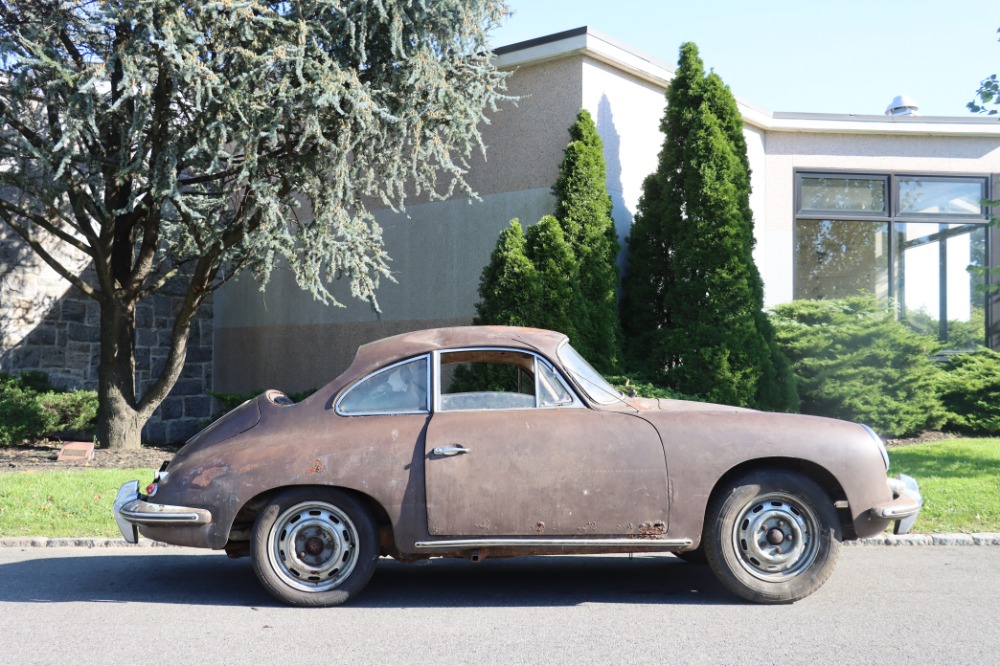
(619, 398)
(387, 368)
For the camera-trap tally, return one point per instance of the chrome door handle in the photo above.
(453, 450)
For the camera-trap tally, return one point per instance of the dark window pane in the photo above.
(847, 194)
(840, 258)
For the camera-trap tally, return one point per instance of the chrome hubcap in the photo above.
(776, 537)
(313, 546)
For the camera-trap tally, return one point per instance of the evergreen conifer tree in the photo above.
(583, 209)
(559, 305)
(509, 288)
(693, 310)
(573, 284)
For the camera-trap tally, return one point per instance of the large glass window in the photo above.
(918, 241)
(839, 258)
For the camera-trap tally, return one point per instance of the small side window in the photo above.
(551, 391)
(398, 389)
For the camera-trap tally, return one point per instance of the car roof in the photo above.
(388, 350)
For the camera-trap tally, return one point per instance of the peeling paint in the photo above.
(206, 476)
(317, 467)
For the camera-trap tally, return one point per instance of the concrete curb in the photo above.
(981, 539)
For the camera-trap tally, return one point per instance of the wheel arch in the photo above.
(807, 468)
(239, 532)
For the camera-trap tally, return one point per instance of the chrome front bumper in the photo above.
(131, 510)
(905, 505)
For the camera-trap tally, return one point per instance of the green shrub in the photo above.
(32, 408)
(970, 391)
(20, 417)
(633, 385)
(853, 360)
(72, 411)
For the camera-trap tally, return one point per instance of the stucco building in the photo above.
(885, 204)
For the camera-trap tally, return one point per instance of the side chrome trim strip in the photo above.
(569, 542)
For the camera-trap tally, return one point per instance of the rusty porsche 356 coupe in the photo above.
(484, 442)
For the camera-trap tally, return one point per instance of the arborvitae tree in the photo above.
(509, 286)
(178, 142)
(530, 281)
(693, 311)
(583, 209)
(559, 304)
(573, 255)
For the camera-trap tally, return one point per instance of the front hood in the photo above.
(670, 405)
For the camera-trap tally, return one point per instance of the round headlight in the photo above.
(880, 444)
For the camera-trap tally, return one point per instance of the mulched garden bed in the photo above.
(42, 456)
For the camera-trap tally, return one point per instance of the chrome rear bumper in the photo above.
(131, 510)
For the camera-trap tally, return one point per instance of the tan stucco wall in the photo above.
(627, 111)
(525, 139)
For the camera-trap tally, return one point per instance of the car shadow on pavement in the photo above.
(215, 580)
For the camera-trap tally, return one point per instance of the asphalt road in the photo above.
(883, 605)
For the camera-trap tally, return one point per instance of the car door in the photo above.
(513, 461)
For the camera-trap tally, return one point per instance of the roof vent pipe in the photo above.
(902, 105)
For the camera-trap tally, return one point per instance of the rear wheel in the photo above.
(773, 538)
(314, 547)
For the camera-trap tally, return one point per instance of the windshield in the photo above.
(588, 379)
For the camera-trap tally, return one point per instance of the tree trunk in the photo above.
(119, 422)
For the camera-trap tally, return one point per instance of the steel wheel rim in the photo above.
(776, 537)
(313, 546)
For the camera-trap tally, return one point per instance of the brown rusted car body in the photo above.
(617, 474)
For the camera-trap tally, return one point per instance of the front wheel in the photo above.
(773, 538)
(314, 547)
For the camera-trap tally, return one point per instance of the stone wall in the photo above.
(46, 325)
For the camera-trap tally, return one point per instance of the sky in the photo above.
(812, 56)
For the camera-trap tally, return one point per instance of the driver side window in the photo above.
(492, 379)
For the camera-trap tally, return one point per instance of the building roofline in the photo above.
(589, 42)
(844, 123)
(598, 46)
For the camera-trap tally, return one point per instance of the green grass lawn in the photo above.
(959, 478)
(70, 503)
(960, 482)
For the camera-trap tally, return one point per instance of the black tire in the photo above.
(336, 547)
(773, 538)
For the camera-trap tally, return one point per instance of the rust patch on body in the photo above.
(317, 467)
(652, 528)
(539, 527)
(207, 476)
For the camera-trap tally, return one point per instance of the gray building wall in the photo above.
(282, 338)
